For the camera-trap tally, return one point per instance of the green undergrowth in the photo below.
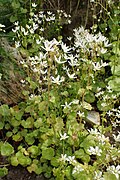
(55, 131)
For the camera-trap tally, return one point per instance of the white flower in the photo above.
(94, 131)
(34, 5)
(71, 76)
(104, 104)
(117, 137)
(16, 23)
(81, 114)
(69, 38)
(103, 50)
(43, 72)
(114, 170)
(71, 160)
(16, 29)
(27, 26)
(49, 13)
(63, 158)
(49, 45)
(35, 26)
(69, 21)
(95, 151)
(42, 29)
(73, 61)
(109, 113)
(66, 105)
(38, 41)
(2, 26)
(17, 44)
(57, 80)
(98, 176)
(65, 48)
(58, 60)
(32, 31)
(22, 81)
(103, 139)
(75, 101)
(98, 65)
(23, 30)
(77, 169)
(63, 137)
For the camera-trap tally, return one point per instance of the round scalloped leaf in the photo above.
(48, 153)
(29, 139)
(7, 149)
(34, 150)
(1, 125)
(14, 161)
(4, 110)
(3, 171)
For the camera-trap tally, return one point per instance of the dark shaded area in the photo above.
(20, 173)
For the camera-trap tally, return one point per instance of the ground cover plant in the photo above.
(51, 132)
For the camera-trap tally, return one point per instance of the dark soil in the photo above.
(20, 173)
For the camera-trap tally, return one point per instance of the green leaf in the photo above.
(59, 124)
(35, 168)
(34, 150)
(29, 139)
(55, 162)
(1, 125)
(29, 108)
(87, 142)
(9, 134)
(89, 97)
(17, 137)
(13, 18)
(109, 176)
(18, 115)
(7, 149)
(4, 110)
(23, 10)
(103, 108)
(23, 160)
(68, 173)
(85, 158)
(24, 43)
(7, 126)
(15, 4)
(15, 122)
(28, 123)
(115, 84)
(14, 161)
(3, 171)
(48, 153)
(116, 48)
(38, 123)
(42, 106)
(79, 153)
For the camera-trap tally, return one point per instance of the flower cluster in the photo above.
(100, 137)
(77, 167)
(114, 170)
(90, 43)
(95, 151)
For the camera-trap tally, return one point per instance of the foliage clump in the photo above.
(66, 84)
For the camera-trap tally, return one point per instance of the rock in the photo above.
(93, 117)
(11, 73)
